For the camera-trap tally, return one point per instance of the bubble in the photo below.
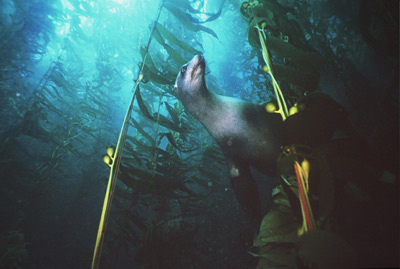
(209, 184)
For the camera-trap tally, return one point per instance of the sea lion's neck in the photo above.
(203, 106)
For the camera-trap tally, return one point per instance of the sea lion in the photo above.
(246, 133)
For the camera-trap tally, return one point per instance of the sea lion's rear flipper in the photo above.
(245, 189)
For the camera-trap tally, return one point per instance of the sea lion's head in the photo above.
(190, 80)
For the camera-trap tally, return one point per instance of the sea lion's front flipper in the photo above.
(245, 189)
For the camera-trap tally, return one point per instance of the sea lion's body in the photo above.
(246, 133)
(240, 128)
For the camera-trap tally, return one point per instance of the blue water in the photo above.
(67, 74)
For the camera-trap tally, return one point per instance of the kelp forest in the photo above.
(102, 166)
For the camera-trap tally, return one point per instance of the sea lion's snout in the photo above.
(197, 65)
(197, 59)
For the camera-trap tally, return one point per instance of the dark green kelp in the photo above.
(67, 70)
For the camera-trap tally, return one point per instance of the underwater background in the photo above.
(67, 74)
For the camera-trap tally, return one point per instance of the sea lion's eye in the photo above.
(183, 69)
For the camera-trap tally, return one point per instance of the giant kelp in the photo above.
(343, 171)
(65, 75)
(55, 116)
(155, 172)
